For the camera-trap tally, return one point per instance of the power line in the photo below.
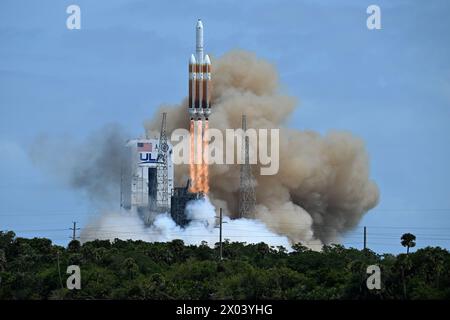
(39, 214)
(309, 225)
(244, 233)
(345, 234)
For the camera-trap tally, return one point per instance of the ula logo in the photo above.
(146, 157)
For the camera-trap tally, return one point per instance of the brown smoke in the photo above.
(323, 186)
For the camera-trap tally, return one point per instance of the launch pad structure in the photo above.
(147, 180)
(147, 175)
(179, 200)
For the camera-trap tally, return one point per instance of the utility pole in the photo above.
(365, 238)
(220, 234)
(59, 270)
(74, 230)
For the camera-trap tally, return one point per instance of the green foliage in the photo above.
(139, 270)
(408, 240)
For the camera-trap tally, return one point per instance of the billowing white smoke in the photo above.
(202, 227)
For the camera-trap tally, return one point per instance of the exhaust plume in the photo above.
(322, 189)
(92, 167)
(128, 225)
(323, 186)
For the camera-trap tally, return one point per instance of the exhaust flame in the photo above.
(192, 172)
(205, 168)
(198, 166)
(199, 159)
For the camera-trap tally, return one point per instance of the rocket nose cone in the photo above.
(207, 60)
(192, 59)
(199, 24)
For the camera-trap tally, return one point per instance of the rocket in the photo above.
(199, 109)
(199, 79)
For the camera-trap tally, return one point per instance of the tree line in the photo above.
(36, 269)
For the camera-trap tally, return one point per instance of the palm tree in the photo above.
(408, 241)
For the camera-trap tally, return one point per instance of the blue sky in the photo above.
(391, 87)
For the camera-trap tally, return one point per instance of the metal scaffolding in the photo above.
(247, 197)
(162, 194)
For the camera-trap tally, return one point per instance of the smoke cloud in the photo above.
(128, 225)
(323, 186)
(92, 166)
(322, 190)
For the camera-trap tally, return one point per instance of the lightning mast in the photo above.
(162, 188)
(247, 197)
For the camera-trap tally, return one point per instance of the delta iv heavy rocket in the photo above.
(199, 110)
(199, 80)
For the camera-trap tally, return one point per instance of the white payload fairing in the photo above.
(199, 79)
